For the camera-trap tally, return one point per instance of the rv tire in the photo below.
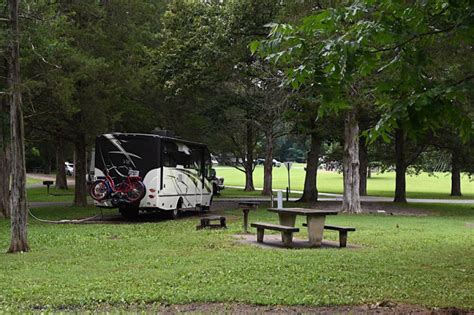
(178, 211)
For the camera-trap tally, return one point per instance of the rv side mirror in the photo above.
(212, 173)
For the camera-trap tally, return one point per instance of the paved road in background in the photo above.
(338, 197)
(325, 196)
(70, 180)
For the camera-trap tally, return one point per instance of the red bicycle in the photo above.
(130, 190)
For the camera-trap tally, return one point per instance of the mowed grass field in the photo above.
(383, 184)
(39, 194)
(419, 260)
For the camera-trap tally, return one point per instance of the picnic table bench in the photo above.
(286, 231)
(342, 232)
(207, 222)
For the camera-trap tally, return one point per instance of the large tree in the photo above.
(376, 50)
(4, 136)
(4, 122)
(84, 79)
(18, 206)
(4, 156)
(314, 60)
(205, 68)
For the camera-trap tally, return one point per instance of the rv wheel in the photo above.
(176, 212)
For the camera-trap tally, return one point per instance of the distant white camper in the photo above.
(177, 174)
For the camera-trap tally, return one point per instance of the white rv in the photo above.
(176, 173)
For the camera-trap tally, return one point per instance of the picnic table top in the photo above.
(303, 211)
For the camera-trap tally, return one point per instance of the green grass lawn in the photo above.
(419, 186)
(424, 260)
(39, 194)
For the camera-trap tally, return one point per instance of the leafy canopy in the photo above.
(397, 55)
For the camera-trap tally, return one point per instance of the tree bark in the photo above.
(61, 179)
(18, 202)
(351, 197)
(80, 194)
(248, 163)
(249, 186)
(4, 159)
(310, 190)
(455, 174)
(400, 165)
(363, 169)
(268, 164)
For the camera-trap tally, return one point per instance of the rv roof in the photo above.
(155, 136)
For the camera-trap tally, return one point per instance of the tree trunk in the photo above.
(455, 174)
(400, 165)
(364, 162)
(61, 180)
(80, 195)
(249, 180)
(250, 146)
(351, 197)
(4, 158)
(268, 164)
(18, 202)
(310, 190)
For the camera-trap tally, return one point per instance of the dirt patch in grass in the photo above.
(385, 307)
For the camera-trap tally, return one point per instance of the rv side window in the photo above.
(184, 155)
(170, 154)
(196, 160)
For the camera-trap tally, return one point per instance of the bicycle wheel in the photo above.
(135, 191)
(99, 190)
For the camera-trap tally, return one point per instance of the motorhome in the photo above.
(176, 173)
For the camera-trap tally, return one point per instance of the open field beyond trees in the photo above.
(423, 185)
(420, 260)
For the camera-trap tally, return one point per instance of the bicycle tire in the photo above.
(136, 191)
(99, 190)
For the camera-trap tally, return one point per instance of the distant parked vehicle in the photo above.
(69, 168)
(275, 163)
(259, 161)
(217, 183)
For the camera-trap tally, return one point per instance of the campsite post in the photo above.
(288, 167)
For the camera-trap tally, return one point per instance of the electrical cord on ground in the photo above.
(74, 221)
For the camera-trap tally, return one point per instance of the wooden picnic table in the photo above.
(315, 220)
(246, 206)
